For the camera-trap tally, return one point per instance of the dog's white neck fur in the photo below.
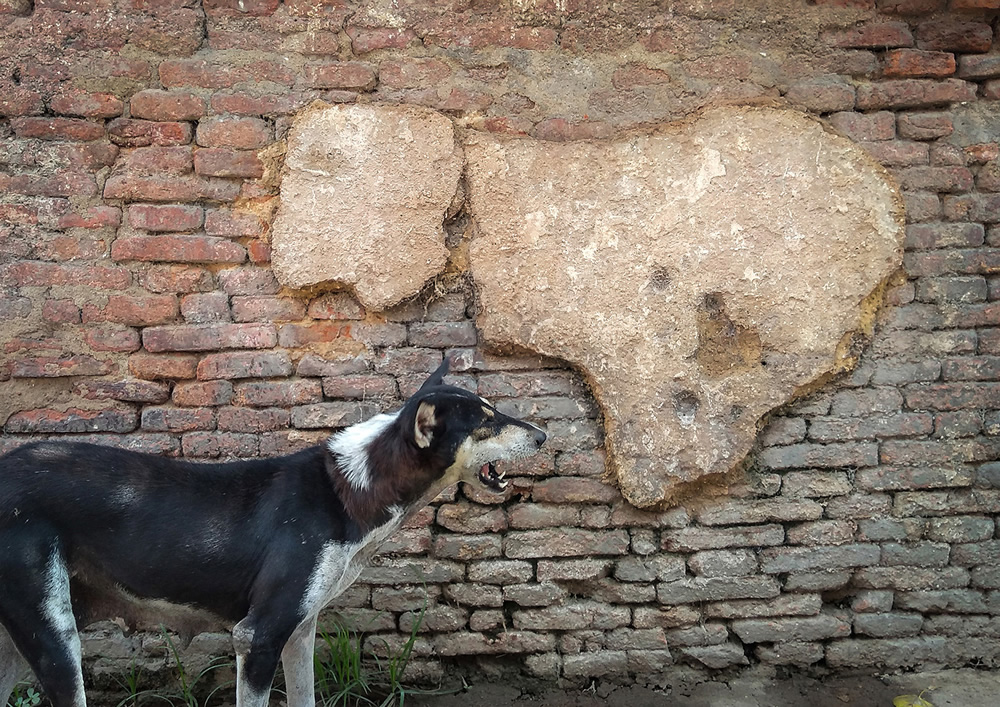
(350, 448)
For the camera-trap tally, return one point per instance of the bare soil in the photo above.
(949, 688)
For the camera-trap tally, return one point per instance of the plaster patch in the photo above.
(363, 200)
(699, 276)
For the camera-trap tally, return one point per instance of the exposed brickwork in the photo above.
(134, 275)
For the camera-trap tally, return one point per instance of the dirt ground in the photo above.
(952, 688)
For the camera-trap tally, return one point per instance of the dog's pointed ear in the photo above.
(424, 424)
(437, 377)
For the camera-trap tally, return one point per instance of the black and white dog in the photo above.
(90, 533)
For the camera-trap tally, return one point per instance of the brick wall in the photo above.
(137, 308)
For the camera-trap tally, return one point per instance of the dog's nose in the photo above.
(539, 437)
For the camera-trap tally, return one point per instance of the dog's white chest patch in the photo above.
(340, 563)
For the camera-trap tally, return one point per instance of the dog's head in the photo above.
(462, 436)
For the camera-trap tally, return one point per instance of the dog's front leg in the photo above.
(258, 647)
(297, 661)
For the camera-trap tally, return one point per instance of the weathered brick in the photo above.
(244, 364)
(277, 393)
(129, 132)
(87, 105)
(162, 366)
(228, 162)
(112, 338)
(130, 391)
(500, 572)
(955, 36)
(804, 455)
(886, 625)
(857, 126)
(921, 554)
(176, 278)
(504, 643)
(723, 563)
(818, 581)
(784, 605)
(917, 63)
(822, 532)
(940, 179)
(794, 559)
(896, 478)
(911, 578)
(933, 601)
(958, 289)
(333, 414)
(564, 542)
(28, 273)
(154, 104)
(700, 589)
(572, 615)
(944, 452)
(210, 337)
(888, 652)
(167, 419)
(913, 93)
(574, 490)
(165, 217)
(898, 425)
(203, 394)
(978, 67)
(350, 75)
(71, 129)
(72, 420)
(821, 95)
(241, 419)
(899, 153)
(219, 444)
(133, 310)
(875, 35)
(183, 249)
(694, 539)
(203, 307)
(782, 630)
(924, 126)
(233, 132)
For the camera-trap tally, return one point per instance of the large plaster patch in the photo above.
(698, 277)
(363, 199)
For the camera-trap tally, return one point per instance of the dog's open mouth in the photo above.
(492, 478)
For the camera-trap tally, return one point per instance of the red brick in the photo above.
(298, 335)
(61, 311)
(205, 74)
(991, 90)
(92, 217)
(333, 11)
(166, 188)
(237, 133)
(162, 366)
(979, 67)
(232, 224)
(236, 419)
(314, 43)
(249, 281)
(944, 235)
(940, 179)
(924, 126)
(267, 309)
(347, 75)
(259, 252)
(58, 367)
(360, 387)
(185, 249)
(17, 101)
(268, 104)
(413, 73)
(224, 162)
(58, 185)
(72, 129)
(209, 337)
(336, 305)
(898, 153)
(573, 490)
(983, 261)
(154, 104)
(130, 391)
(87, 105)
(160, 218)
(877, 35)
(245, 364)
(35, 274)
(910, 7)
(133, 310)
(369, 39)
(982, 152)
(974, 5)
(913, 93)
(203, 394)
(177, 419)
(865, 127)
(917, 63)
(215, 8)
(578, 38)
(89, 157)
(219, 444)
(955, 36)
(278, 393)
(17, 214)
(119, 339)
(155, 161)
(71, 420)
(973, 207)
(558, 129)
(129, 132)
(176, 278)
(205, 307)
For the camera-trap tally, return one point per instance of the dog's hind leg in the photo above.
(39, 619)
(297, 663)
(12, 665)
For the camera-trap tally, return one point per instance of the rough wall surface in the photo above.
(698, 277)
(364, 198)
(139, 307)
